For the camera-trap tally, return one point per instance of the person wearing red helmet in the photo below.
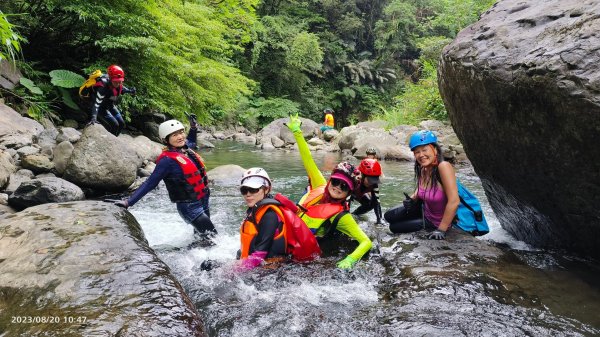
(107, 91)
(367, 191)
(324, 208)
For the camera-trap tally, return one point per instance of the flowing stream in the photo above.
(490, 286)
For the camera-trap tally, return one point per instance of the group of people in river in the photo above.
(271, 231)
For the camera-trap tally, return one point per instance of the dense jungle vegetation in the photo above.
(244, 61)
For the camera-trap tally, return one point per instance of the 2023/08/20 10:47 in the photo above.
(48, 319)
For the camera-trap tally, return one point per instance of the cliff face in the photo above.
(522, 88)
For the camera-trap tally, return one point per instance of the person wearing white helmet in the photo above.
(260, 231)
(184, 174)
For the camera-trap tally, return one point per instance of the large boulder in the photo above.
(522, 88)
(87, 266)
(44, 190)
(102, 161)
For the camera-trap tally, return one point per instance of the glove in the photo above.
(437, 235)
(294, 124)
(121, 203)
(347, 263)
(192, 119)
(133, 91)
(409, 203)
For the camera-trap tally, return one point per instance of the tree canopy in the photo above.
(242, 61)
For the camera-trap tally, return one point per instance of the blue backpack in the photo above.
(469, 216)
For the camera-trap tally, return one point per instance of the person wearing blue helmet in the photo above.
(435, 200)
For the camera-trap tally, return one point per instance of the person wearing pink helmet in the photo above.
(324, 208)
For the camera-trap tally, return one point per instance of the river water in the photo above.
(490, 286)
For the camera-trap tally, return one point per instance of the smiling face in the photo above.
(177, 138)
(425, 155)
(338, 189)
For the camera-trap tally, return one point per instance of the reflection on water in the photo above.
(411, 287)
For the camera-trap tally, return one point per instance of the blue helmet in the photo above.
(422, 137)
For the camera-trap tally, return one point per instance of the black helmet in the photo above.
(328, 111)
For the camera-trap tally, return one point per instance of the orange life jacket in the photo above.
(315, 214)
(297, 237)
(197, 181)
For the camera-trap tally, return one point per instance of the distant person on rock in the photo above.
(328, 123)
(184, 174)
(436, 191)
(324, 208)
(367, 189)
(107, 92)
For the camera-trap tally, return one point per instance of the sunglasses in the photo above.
(341, 184)
(245, 189)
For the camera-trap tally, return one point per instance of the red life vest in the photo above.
(298, 239)
(194, 176)
(104, 81)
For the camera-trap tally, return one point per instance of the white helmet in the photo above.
(168, 127)
(256, 177)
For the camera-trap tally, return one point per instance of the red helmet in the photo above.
(370, 167)
(115, 73)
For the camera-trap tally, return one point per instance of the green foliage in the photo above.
(221, 61)
(261, 111)
(453, 15)
(304, 53)
(10, 45)
(178, 54)
(66, 79)
(431, 48)
(419, 101)
(27, 83)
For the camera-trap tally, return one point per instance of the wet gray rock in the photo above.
(27, 150)
(522, 88)
(16, 140)
(62, 153)
(100, 161)
(276, 142)
(17, 178)
(37, 163)
(13, 122)
(277, 129)
(68, 134)
(359, 139)
(44, 190)
(143, 146)
(229, 174)
(6, 167)
(243, 138)
(46, 138)
(329, 135)
(89, 261)
(9, 75)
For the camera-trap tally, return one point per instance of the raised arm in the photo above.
(312, 170)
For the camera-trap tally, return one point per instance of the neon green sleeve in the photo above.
(348, 226)
(315, 176)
